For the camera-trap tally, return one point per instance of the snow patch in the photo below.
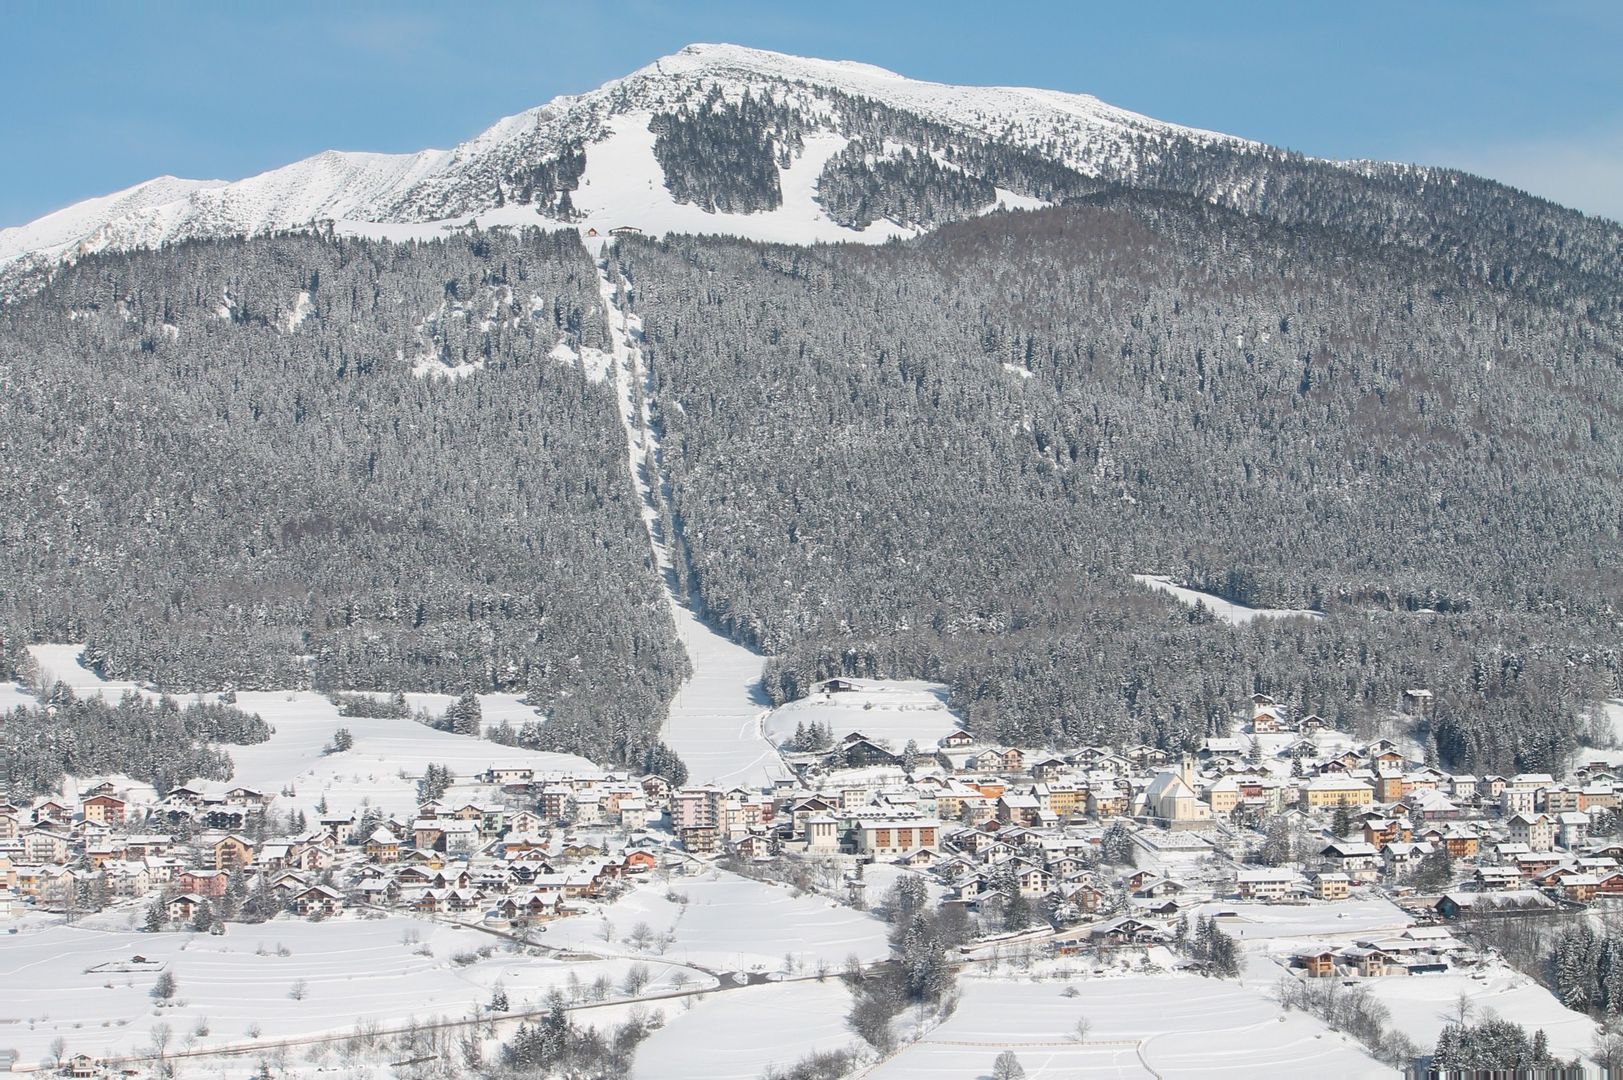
(1228, 611)
(595, 364)
(295, 316)
(624, 185)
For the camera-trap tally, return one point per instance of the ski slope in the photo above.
(714, 722)
(624, 185)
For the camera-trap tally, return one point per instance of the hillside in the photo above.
(381, 447)
(943, 460)
(291, 462)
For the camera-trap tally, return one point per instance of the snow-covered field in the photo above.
(1228, 611)
(892, 710)
(60, 663)
(728, 923)
(382, 970)
(1140, 1026)
(388, 756)
(737, 1035)
(14, 696)
(1253, 922)
(382, 768)
(1612, 711)
(1422, 1004)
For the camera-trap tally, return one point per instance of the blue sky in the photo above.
(103, 95)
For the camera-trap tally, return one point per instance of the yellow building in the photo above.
(1332, 886)
(1330, 791)
(1066, 800)
(1224, 795)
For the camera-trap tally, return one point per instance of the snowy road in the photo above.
(715, 720)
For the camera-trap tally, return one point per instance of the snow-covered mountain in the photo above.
(724, 139)
(599, 150)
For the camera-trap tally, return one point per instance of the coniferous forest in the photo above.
(944, 458)
(304, 460)
(222, 471)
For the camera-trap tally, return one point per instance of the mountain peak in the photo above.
(714, 138)
(594, 160)
(707, 55)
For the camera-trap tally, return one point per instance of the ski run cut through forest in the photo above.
(774, 570)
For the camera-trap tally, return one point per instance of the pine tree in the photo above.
(1225, 954)
(1610, 975)
(1017, 913)
(1276, 844)
(431, 788)
(923, 961)
(464, 716)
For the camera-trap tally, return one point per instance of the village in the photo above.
(1283, 813)
(1096, 850)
